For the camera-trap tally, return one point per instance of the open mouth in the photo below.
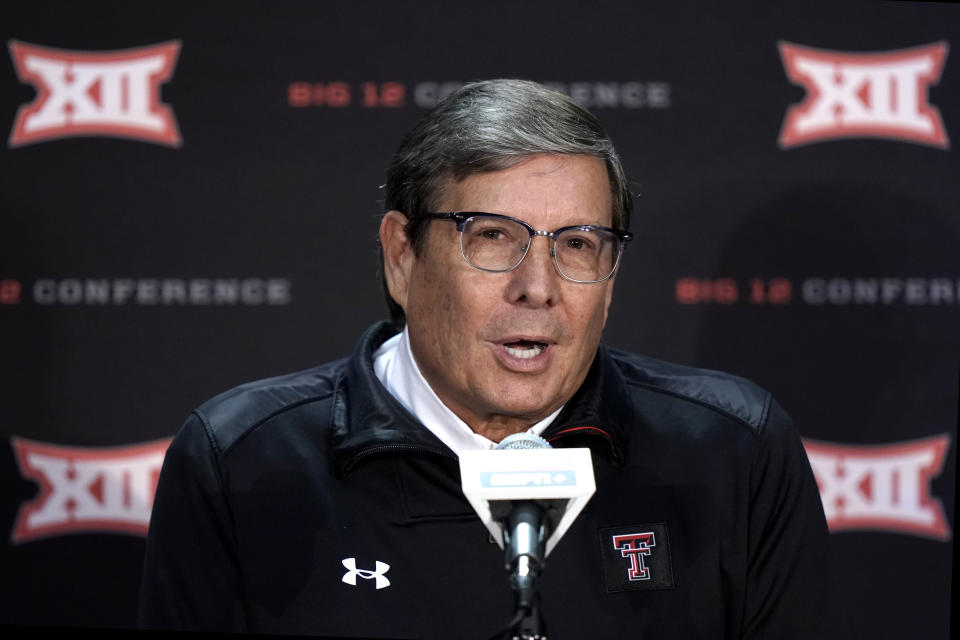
(525, 349)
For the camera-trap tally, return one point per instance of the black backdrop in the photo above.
(139, 278)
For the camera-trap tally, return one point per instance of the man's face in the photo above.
(504, 350)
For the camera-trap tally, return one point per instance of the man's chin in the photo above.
(529, 410)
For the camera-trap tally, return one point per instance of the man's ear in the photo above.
(397, 255)
(608, 296)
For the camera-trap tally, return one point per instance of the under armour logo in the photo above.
(350, 577)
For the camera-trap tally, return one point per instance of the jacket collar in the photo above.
(367, 420)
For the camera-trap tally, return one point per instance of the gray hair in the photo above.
(489, 126)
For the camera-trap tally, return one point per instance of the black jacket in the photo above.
(271, 488)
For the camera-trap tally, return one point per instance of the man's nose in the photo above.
(535, 282)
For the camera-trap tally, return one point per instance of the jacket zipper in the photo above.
(385, 448)
(592, 431)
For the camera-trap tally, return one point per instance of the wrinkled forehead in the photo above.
(576, 188)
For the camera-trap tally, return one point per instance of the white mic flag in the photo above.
(492, 476)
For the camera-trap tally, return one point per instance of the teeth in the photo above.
(525, 353)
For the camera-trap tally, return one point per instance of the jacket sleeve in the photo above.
(191, 578)
(788, 572)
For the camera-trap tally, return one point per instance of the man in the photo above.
(328, 501)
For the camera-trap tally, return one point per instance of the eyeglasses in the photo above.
(492, 242)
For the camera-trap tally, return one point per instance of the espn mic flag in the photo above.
(492, 479)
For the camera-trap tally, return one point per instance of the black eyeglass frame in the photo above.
(461, 217)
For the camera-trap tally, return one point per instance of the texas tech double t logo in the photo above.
(95, 93)
(636, 557)
(635, 546)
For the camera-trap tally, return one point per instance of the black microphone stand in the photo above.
(524, 556)
(527, 624)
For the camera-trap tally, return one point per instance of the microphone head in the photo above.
(523, 440)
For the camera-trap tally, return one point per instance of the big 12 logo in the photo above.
(90, 490)
(864, 95)
(89, 93)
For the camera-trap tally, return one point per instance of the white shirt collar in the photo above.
(396, 368)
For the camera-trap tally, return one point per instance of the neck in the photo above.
(498, 427)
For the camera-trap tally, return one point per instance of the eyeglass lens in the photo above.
(498, 244)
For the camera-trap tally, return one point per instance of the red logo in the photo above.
(864, 95)
(82, 93)
(87, 490)
(10, 291)
(881, 487)
(635, 546)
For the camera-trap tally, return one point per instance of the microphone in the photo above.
(525, 533)
(527, 494)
